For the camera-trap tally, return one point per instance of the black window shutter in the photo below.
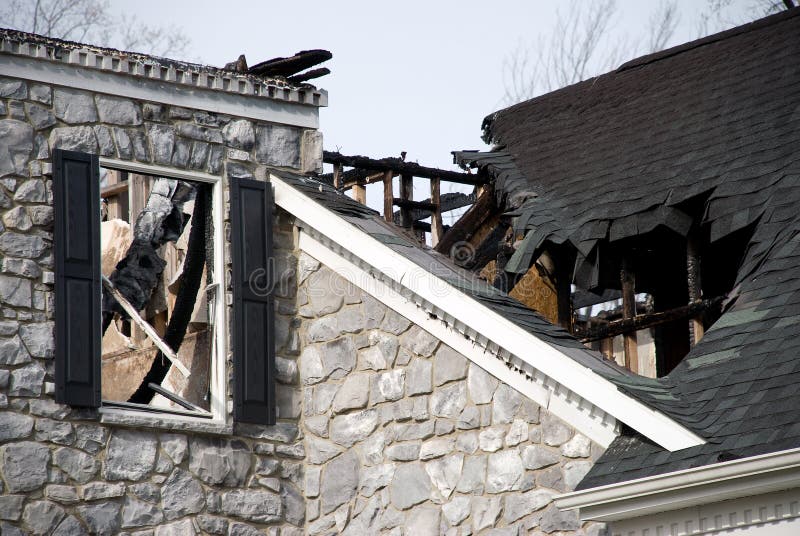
(253, 308)
(76, 189)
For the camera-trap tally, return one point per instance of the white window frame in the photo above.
(217, 307)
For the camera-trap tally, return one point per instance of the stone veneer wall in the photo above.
(62, 471)
(405, 436)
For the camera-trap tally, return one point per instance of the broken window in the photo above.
(156, 238)
(142, 326)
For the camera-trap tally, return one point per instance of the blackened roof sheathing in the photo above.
(618, 154)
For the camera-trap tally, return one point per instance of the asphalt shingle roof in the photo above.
(716, 120)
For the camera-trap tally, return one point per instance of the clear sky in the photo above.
(406, 76)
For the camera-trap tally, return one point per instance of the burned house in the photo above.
(659, 202)
(203, 334)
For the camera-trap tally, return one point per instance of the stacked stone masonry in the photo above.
(63, 471)
(382, 428)
(403, 435)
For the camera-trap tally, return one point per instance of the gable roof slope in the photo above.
(716, 121)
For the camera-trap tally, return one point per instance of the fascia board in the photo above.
(691, 487)
(540, 355)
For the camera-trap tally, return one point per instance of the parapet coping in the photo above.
(157, 69)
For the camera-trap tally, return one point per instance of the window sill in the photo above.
(165, 421)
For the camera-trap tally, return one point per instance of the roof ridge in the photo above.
(709, 39)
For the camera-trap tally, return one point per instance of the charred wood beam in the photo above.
(414, 205)
(399, 166)
(355, 176)
(695, 285)
(483, 209)
(291, 65)
(308, 75)
(388, 195)
(628, 282)
(437, 227)
(185, 300)
(448, 202)
(406, 197)
(638, 322)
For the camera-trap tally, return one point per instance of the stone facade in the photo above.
(63, 470)
(403, 435)
(382, 428)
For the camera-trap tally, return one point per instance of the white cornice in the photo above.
(511, 343)
(215, 91)
(754, 475)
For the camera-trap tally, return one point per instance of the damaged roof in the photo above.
(714, 123)
(370, 222)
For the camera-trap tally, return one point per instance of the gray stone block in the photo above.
(278, 145)
(219, 461)
(77, 464)
(448, 401)
(13, 89)
(240, 134)
(504, 471)
(25, 466)
(101, 518)
(15, 291)
(39, 339)
(136, 513)
(445, 473)
(481, 384)
(14, 426)
(13, 352)
(411, 485)
(449, 365)
(554, 431)
(118, 111)
(16, 145)
(53, 431)
(254, 505)
(11, 507)
(505, 404)
(520, 505)
(131, 455)
(27, 380)
(182, 495)
(346, 430)
(40, 117)
(20, 245)
(42, 517)
(74, 139)
(74, 106)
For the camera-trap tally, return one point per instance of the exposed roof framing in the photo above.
(401, 167)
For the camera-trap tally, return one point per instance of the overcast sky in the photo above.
(406, 76)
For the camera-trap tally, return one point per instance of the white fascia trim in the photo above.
(490, 327)
(193, 97)
(600, 431)
(755, 475)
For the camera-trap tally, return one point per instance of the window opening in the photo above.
(158, 293)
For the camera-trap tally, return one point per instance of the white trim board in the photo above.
(196, 98)
(714, 483)
(597, 431)
(544, 362)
